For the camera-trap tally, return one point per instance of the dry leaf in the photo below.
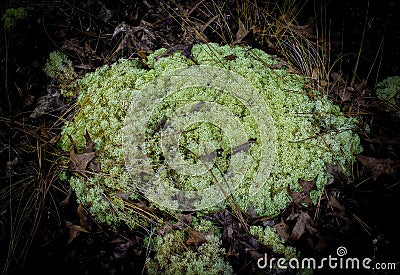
(90, 144)
(378, 167)
(241, 33)
(230, 57)
(196, 238)
(300, 227)
(282, 229)
(82, 218)
(74, 231)
(79, 162)
(304, 196)
(345, 95)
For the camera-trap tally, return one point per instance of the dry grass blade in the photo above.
(27, 194)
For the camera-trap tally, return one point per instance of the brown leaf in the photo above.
(164, 230)
(73, 142)
(282, 229)
(300, 227)
(345, 95)
(336, 204)
(74, 231)
(361, 86)
(66, 201)
(304, 196)
(196, 238)
(230, 57)
(94, 166)
(121, 251)
(250, 211)
(308, 185)
(90, 144)
(378, 167)
(79, 162)
(241, 33)
(83, 218)
(339, 212)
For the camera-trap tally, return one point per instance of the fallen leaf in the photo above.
(66, 201)
(83, 218)
(345, 95)
(94, 166)
(74, 231)
(343, 220)
(79, 162)
(378, 167)
(196, 238)
(304, 196)
(300, 227)
(90, 144)
(283, 229)
(230, 57)
(121, 251)
(241, 33)
(250, 211)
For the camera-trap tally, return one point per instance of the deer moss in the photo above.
(388, 90)
(310, 130)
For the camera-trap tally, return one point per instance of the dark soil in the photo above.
(358, 212)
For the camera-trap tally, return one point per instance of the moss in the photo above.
(268, 237)
(174, 257)
(11, 16)
(388, 90)
(60, 69)
(309, 132)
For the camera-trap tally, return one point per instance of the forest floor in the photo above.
(37, 209)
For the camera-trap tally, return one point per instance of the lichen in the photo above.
(173, 256)
(268, 237)
(388, 90)
(11, 16)
(60, 69)
(310, 130)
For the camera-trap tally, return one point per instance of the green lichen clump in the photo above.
(310, 130)
(268, 237)
(60, 68)
(388, 90)
(174, 257)
(11, 16)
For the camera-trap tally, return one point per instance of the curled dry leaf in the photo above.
(81, 162)
(83, 220)
(74, 231)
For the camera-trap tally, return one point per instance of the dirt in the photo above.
(358, 212)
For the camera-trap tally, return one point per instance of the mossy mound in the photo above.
(310, 131)
(388, 90)
(175, 257)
